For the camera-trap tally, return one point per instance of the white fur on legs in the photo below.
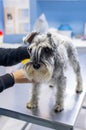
(61, 85)
(72, 54)
(79, 88)
(33, 103)
(76, 68)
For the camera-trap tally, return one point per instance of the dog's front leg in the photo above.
(33, 103)
(61, 85)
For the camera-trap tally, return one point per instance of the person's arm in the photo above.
(12, 56)
(8, 80)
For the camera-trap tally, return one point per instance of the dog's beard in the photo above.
(43, 74)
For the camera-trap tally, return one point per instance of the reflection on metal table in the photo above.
(13, 104)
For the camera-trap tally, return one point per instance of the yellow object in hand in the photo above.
(25, 61)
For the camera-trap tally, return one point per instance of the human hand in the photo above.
(19, 77)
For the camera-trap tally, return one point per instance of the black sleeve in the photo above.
(6, 81)
(9, 56)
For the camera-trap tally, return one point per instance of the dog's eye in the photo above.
(48, 51)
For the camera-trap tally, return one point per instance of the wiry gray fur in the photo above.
(60, 52)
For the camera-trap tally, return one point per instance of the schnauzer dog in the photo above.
(49, 55)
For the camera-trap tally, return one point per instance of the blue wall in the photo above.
(1, 16)
(72, 12)
(33, 12)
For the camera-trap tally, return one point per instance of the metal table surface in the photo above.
(13, 104)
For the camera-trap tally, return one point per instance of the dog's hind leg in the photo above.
(61, 85)
(76, 67)
(33, 103)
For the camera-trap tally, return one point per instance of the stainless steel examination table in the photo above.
(13, 104)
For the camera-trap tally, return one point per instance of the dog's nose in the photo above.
(36, 66)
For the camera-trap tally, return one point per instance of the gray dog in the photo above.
(49, 55)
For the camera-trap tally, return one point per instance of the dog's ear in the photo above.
(30, 37)
(51, 41)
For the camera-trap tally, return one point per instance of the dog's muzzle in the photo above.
(38, 72)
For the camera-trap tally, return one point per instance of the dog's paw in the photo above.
(58, 108)
(79, 89)
(31, 105)
(51, 86)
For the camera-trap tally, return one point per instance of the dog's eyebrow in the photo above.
(44, 45)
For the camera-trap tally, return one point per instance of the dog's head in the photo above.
(41, 51)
